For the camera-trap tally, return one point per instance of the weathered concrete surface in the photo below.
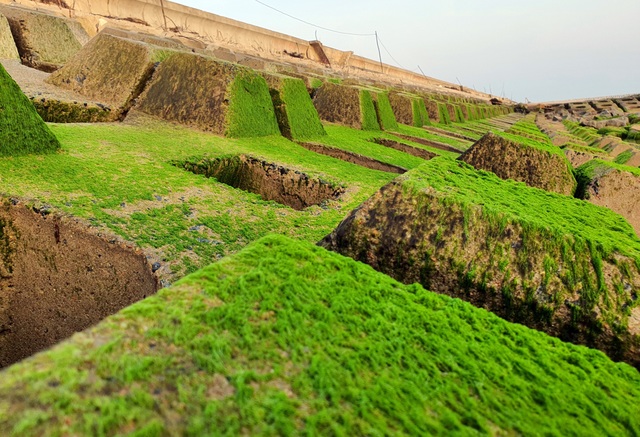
(57, 278)
(512, 160)
(210, 95)
(8, 48)
(613, 188)
(44, 41)
(109, 69)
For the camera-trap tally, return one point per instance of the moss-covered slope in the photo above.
(552, 262)
(522, 159)
(22, 131)
(296, 115)
(111, 70)
(210, 95)
(285, 338)
(44, 41)
(346, 105)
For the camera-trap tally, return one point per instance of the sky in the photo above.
(540, 50)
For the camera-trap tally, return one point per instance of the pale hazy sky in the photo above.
(541, 50)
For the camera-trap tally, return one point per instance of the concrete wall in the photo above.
(172, 18)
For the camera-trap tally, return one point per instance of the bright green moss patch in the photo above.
(286, 338)
(445, 118)
(296, 115)
(250, 112)
(624, 157)
(420, 115)
(22, 131)
(368, 115)
(563, 214)
(386, 117)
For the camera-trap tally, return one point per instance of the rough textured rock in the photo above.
(483, 252)
(510, 159)
(577, 158)
(8, 48)
(57, 278)
(603, 183)
(22, 130)
(110, 69)
(44, 41)
(210, 95)
(346, 105)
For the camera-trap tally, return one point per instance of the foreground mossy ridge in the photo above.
(22, 131)
(287, 338)
(549, 261)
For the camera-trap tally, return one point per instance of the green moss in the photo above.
(295, 106)
(368, 115)
(316, 83)
(624, 157)
(459, 115)
(250, 112)
(22, 131)
(561, 214)
(286, 338)
(420, 115)
(444, 113)
(386, 116)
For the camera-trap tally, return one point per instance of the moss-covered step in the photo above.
(111, 70)
(44, 41)
(549, 261)
(22, 131)
(519, 158)
(410, 109)
(8, 48)
(613, 186)
(296, 115)
(346, 105)
(285, 338)
(210, 95)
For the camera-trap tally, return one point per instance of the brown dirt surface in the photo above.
(8, 48)
(432, 110)
(58, 277)
(44, 41)
(619, 191)
(271, 181)
(338, 104)
(109, 69)
(354, 158)
(406, 148)
(447, 133)
(510, 160)
(420, 237)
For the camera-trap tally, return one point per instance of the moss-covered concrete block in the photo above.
(8, 48)
(210, 95)
(44, 41)
(613, 186)
(347, 105)
(287, 338)
(522, 159)
(110, 69)
(22, 131)
(296, 115)
(548, 261)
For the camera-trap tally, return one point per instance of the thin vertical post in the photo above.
(164, 17)
(379, 54)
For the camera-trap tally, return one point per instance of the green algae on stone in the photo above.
(286, 338)
(469, 234)
(22, 131)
